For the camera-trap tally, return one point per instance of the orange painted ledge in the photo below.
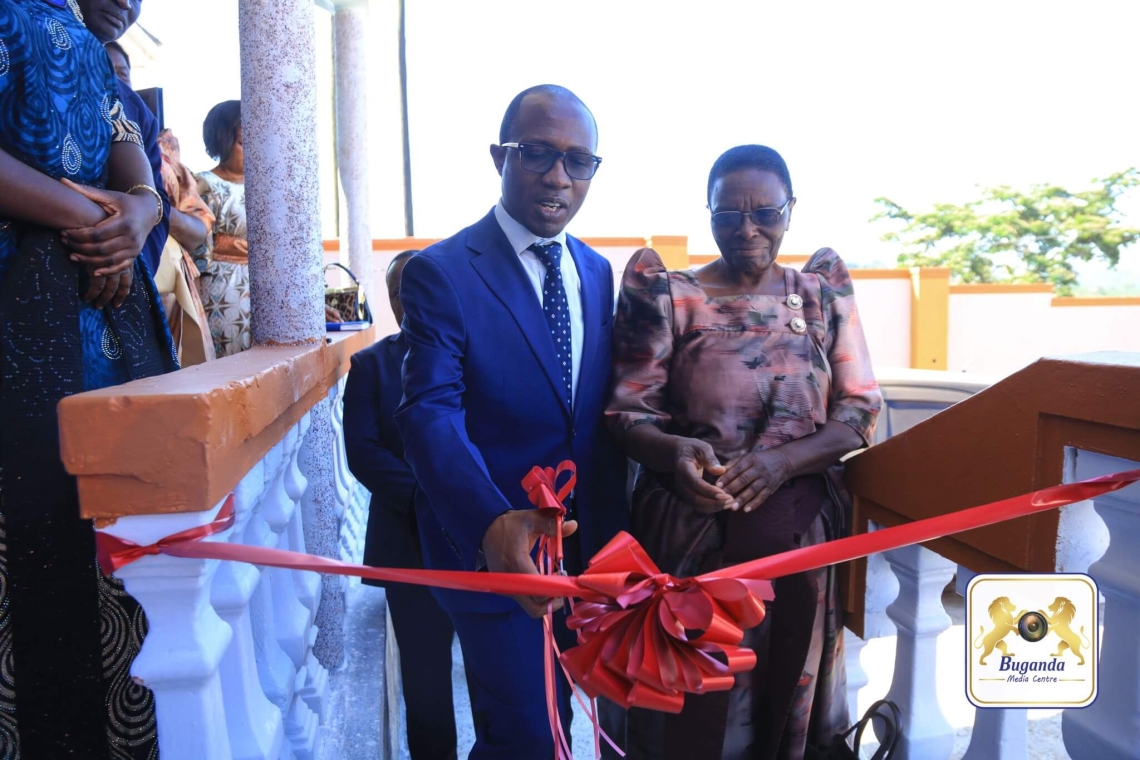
(1097, 301)
(1001, 287)
(409, 244)
(181, 442)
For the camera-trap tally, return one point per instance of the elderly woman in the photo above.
(736, 387)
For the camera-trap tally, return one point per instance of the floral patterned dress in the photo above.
(224, 285)
(743, 373)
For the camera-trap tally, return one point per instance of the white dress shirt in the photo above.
(521, 239)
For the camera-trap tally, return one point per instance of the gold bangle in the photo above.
(157, 199)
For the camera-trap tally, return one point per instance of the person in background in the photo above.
(734, 470)
(376, 457)
(91, 320)
(186, 250)
(120, 62)
(109, 20)
(168, 246)
(224, 285)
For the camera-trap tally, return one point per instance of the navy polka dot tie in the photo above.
(557, 310)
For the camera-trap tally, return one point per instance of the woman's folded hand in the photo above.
(754, 477)
(109, 289)
(692, 460)
(112, 245)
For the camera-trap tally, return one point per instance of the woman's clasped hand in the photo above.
(108, 249)
(742, 484)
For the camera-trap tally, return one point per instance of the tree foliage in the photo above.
(1010, 235)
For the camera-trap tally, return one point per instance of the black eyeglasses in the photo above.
(539, 159)
(761, 217)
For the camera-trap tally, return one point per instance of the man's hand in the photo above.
(755, 477)
(112, 245)
(507, 545)
(692, 460)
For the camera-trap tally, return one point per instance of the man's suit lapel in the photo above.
(591, 314)
(501, 269)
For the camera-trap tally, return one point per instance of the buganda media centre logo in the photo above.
(1033, 640)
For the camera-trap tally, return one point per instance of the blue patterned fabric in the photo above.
(59, 105)
(70, 633)
(557, 310)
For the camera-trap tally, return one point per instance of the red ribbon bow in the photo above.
(541, 488)
(646, 638)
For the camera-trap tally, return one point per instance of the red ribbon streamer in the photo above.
(645, 638)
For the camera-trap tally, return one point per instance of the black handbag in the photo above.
(887, 712)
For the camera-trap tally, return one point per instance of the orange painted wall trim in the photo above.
(674, 250)
(880, 274)
(1097, 301)
(1000, 287)
(406, 244)
(784, 258)
(181, 442)
(929, 317)
(616, 242)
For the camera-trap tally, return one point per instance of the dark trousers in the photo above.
(504, 657)
(424, 634)
(503, 652)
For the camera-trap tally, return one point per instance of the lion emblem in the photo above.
(1060, 623)
(1005, 622)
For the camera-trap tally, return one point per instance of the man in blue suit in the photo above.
(376, 457)
(508, 366)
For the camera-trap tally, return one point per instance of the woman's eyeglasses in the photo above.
(539, 159)
(761, 217)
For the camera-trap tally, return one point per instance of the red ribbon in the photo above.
(114, 552)
(645, 638)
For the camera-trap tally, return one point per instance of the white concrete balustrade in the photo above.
(229, 654)
(1099, 538)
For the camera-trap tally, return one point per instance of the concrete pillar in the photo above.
(286, 256)
(351, 53)
(279, 116)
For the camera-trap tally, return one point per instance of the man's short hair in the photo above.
(512, 114)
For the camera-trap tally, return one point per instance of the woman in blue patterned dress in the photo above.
(78, 312)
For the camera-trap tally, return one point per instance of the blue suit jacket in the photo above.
(482, 400)
(375, 453)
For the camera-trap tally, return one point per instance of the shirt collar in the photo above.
(519, 236)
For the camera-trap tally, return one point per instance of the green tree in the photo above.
(1009, 235)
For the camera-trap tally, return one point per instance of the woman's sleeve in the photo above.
(642, 345)
(212, 203)
(122, 128)
(855, 397)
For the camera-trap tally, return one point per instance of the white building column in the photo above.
(279, 117)
(350, 50)
(286, 255)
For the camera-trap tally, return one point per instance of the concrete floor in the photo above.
(357, 728)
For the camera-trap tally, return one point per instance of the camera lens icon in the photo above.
(1032, 626)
